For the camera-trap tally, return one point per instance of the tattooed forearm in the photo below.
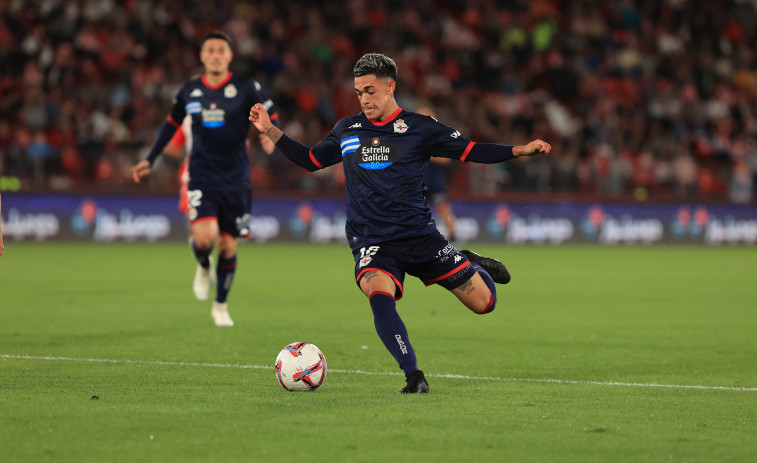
(274, 134)
(467, 287)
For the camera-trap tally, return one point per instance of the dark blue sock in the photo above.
(489, 283)
(202, 255)
(225, 273)
(391, 330)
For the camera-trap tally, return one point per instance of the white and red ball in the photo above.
(300, 366)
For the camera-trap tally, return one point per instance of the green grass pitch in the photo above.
(594, 354)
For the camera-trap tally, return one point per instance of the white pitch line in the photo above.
(385, 373)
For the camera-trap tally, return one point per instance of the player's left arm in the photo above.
(490, 153)
(449, 143)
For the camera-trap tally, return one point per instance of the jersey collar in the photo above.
(388, 119)
(214, 87)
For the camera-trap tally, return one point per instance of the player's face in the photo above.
(216, 56)
(376, 96)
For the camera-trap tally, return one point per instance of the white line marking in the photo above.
(380, 373)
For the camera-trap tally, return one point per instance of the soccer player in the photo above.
(385, 151)
(220, 188)
(436, 186)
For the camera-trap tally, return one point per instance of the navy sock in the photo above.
(489, 283)
(202, 255)
(391, 330)
(225, 273)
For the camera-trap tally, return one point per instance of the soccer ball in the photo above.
(300, 366)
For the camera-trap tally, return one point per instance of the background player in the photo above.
(220, 188)
(436, 186)
(385, 152)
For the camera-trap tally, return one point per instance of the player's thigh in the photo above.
(375, 280)
(376, 269)
(203, 215)
(204, 232)
(474, 294)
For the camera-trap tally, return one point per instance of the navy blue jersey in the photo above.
(384, 165)
(219, 130)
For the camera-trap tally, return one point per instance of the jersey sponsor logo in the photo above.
(193, 107)
(230, 91)
(357, 125)
(349, 145)
(195, 93)
(213, 117)
(400, 126)
(376, 155)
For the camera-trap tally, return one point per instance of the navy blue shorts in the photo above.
(430, 258)
(230, 208)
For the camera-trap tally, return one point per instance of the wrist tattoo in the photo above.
(274, 134)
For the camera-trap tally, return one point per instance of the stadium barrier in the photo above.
(74, 217)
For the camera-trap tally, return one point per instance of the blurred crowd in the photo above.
(645, 99)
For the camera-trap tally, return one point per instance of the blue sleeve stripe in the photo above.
(350, 145)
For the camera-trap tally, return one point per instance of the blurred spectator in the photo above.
(657, 96)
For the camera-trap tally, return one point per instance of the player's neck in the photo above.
(389, 111)
(216, 78)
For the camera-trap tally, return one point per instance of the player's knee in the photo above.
(202, 241)
(484, 306)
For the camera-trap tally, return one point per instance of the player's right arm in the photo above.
(165, 133)
(327, 152)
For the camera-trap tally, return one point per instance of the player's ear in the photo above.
(391, 85)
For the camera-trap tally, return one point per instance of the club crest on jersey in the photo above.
(230, 91)
(375, 155)
(400, 126)
(365, 261)
(213, 117)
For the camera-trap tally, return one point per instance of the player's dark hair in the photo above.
(376, 64)
(215, 35)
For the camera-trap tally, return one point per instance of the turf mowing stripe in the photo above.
(386, 373)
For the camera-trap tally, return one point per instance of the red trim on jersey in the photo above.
(315, 161)
(184, 187)
(172, 122)
(214, 87)
(178, 139)
(448, 274)
(384, 293)
(387, 120)
(396, 282)
(204, 219)
(467, 150)
(273, 116)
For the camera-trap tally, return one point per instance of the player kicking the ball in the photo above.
(385, 152)
(220, 188)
